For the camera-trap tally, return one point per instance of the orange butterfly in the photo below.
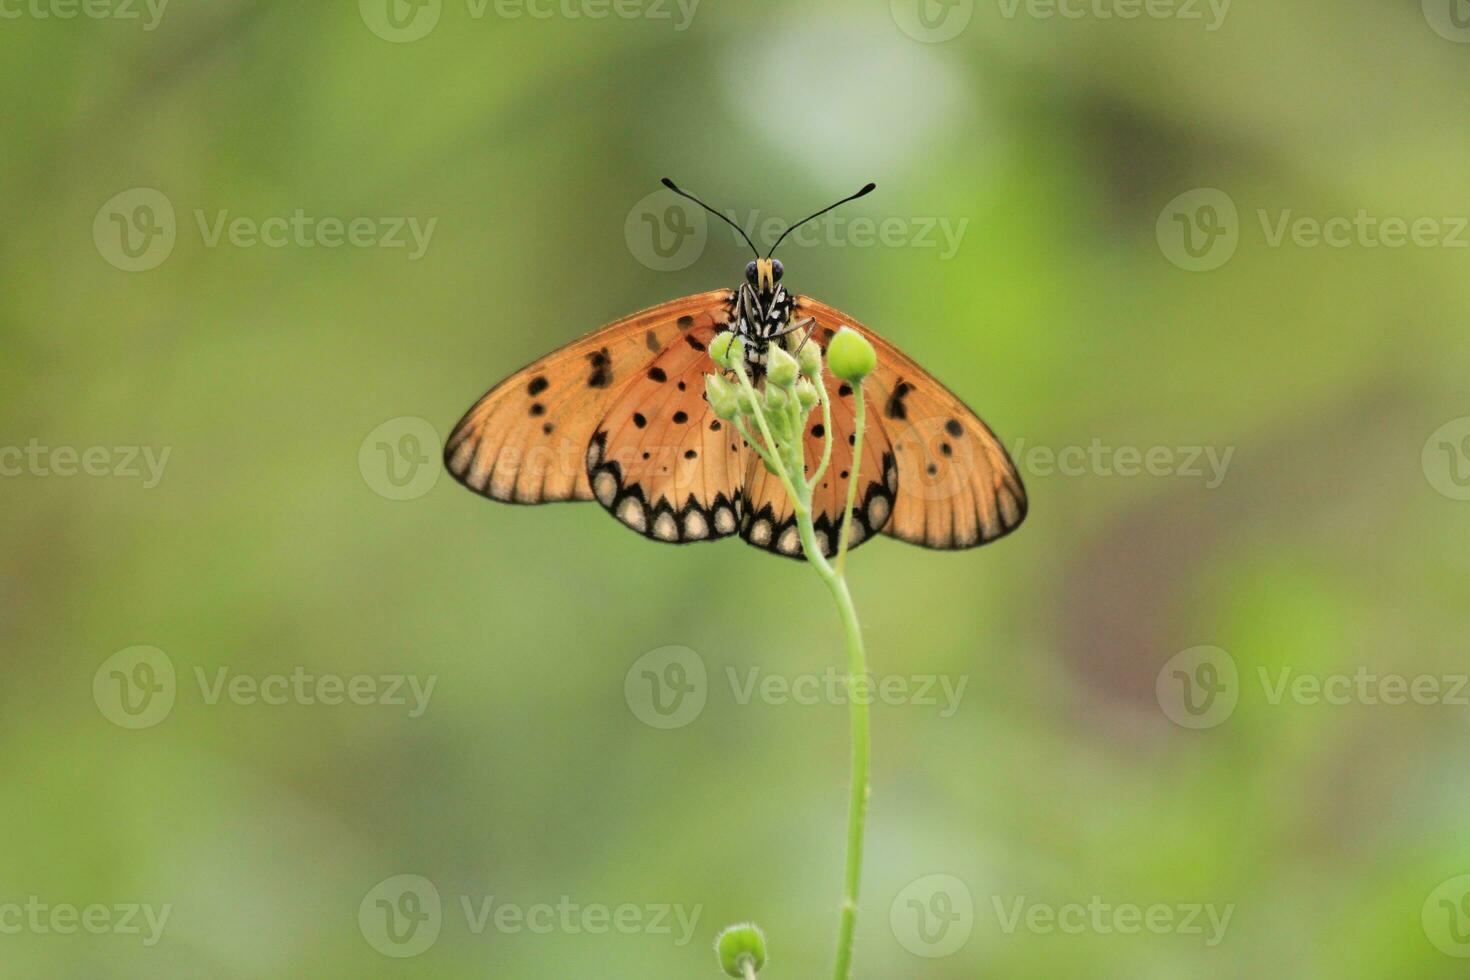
(620, 417)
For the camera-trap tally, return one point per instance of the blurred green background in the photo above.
(297, 526)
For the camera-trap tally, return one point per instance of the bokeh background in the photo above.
(1121, 738)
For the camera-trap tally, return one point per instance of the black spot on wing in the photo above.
(895, 408)
(601, 363)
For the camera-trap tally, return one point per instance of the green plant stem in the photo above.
(749, 971)
(789, 459)
(857, 801)
(857, 672)
(859, 409)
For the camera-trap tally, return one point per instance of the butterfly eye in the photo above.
(777, 269)
(750, 273)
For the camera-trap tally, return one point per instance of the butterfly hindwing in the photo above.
(660, 461)
(769, 522)
(956, 486)
(526, 440)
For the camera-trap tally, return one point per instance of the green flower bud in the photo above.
(810, 359)
(743, 403)
(727, 350)
(850, 356)
(721, 396)
(776, 397)
(738, 945)
(806, 395)
(781, 367)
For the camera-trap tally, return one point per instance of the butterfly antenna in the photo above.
(867, 189)
(675, 188)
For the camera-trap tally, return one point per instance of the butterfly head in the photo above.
(763, 274)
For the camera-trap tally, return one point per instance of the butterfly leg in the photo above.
(810, 323)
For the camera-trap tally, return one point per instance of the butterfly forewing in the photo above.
(956, 486)
(526, 440)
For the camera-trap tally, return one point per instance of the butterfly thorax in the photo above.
(762, 313)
